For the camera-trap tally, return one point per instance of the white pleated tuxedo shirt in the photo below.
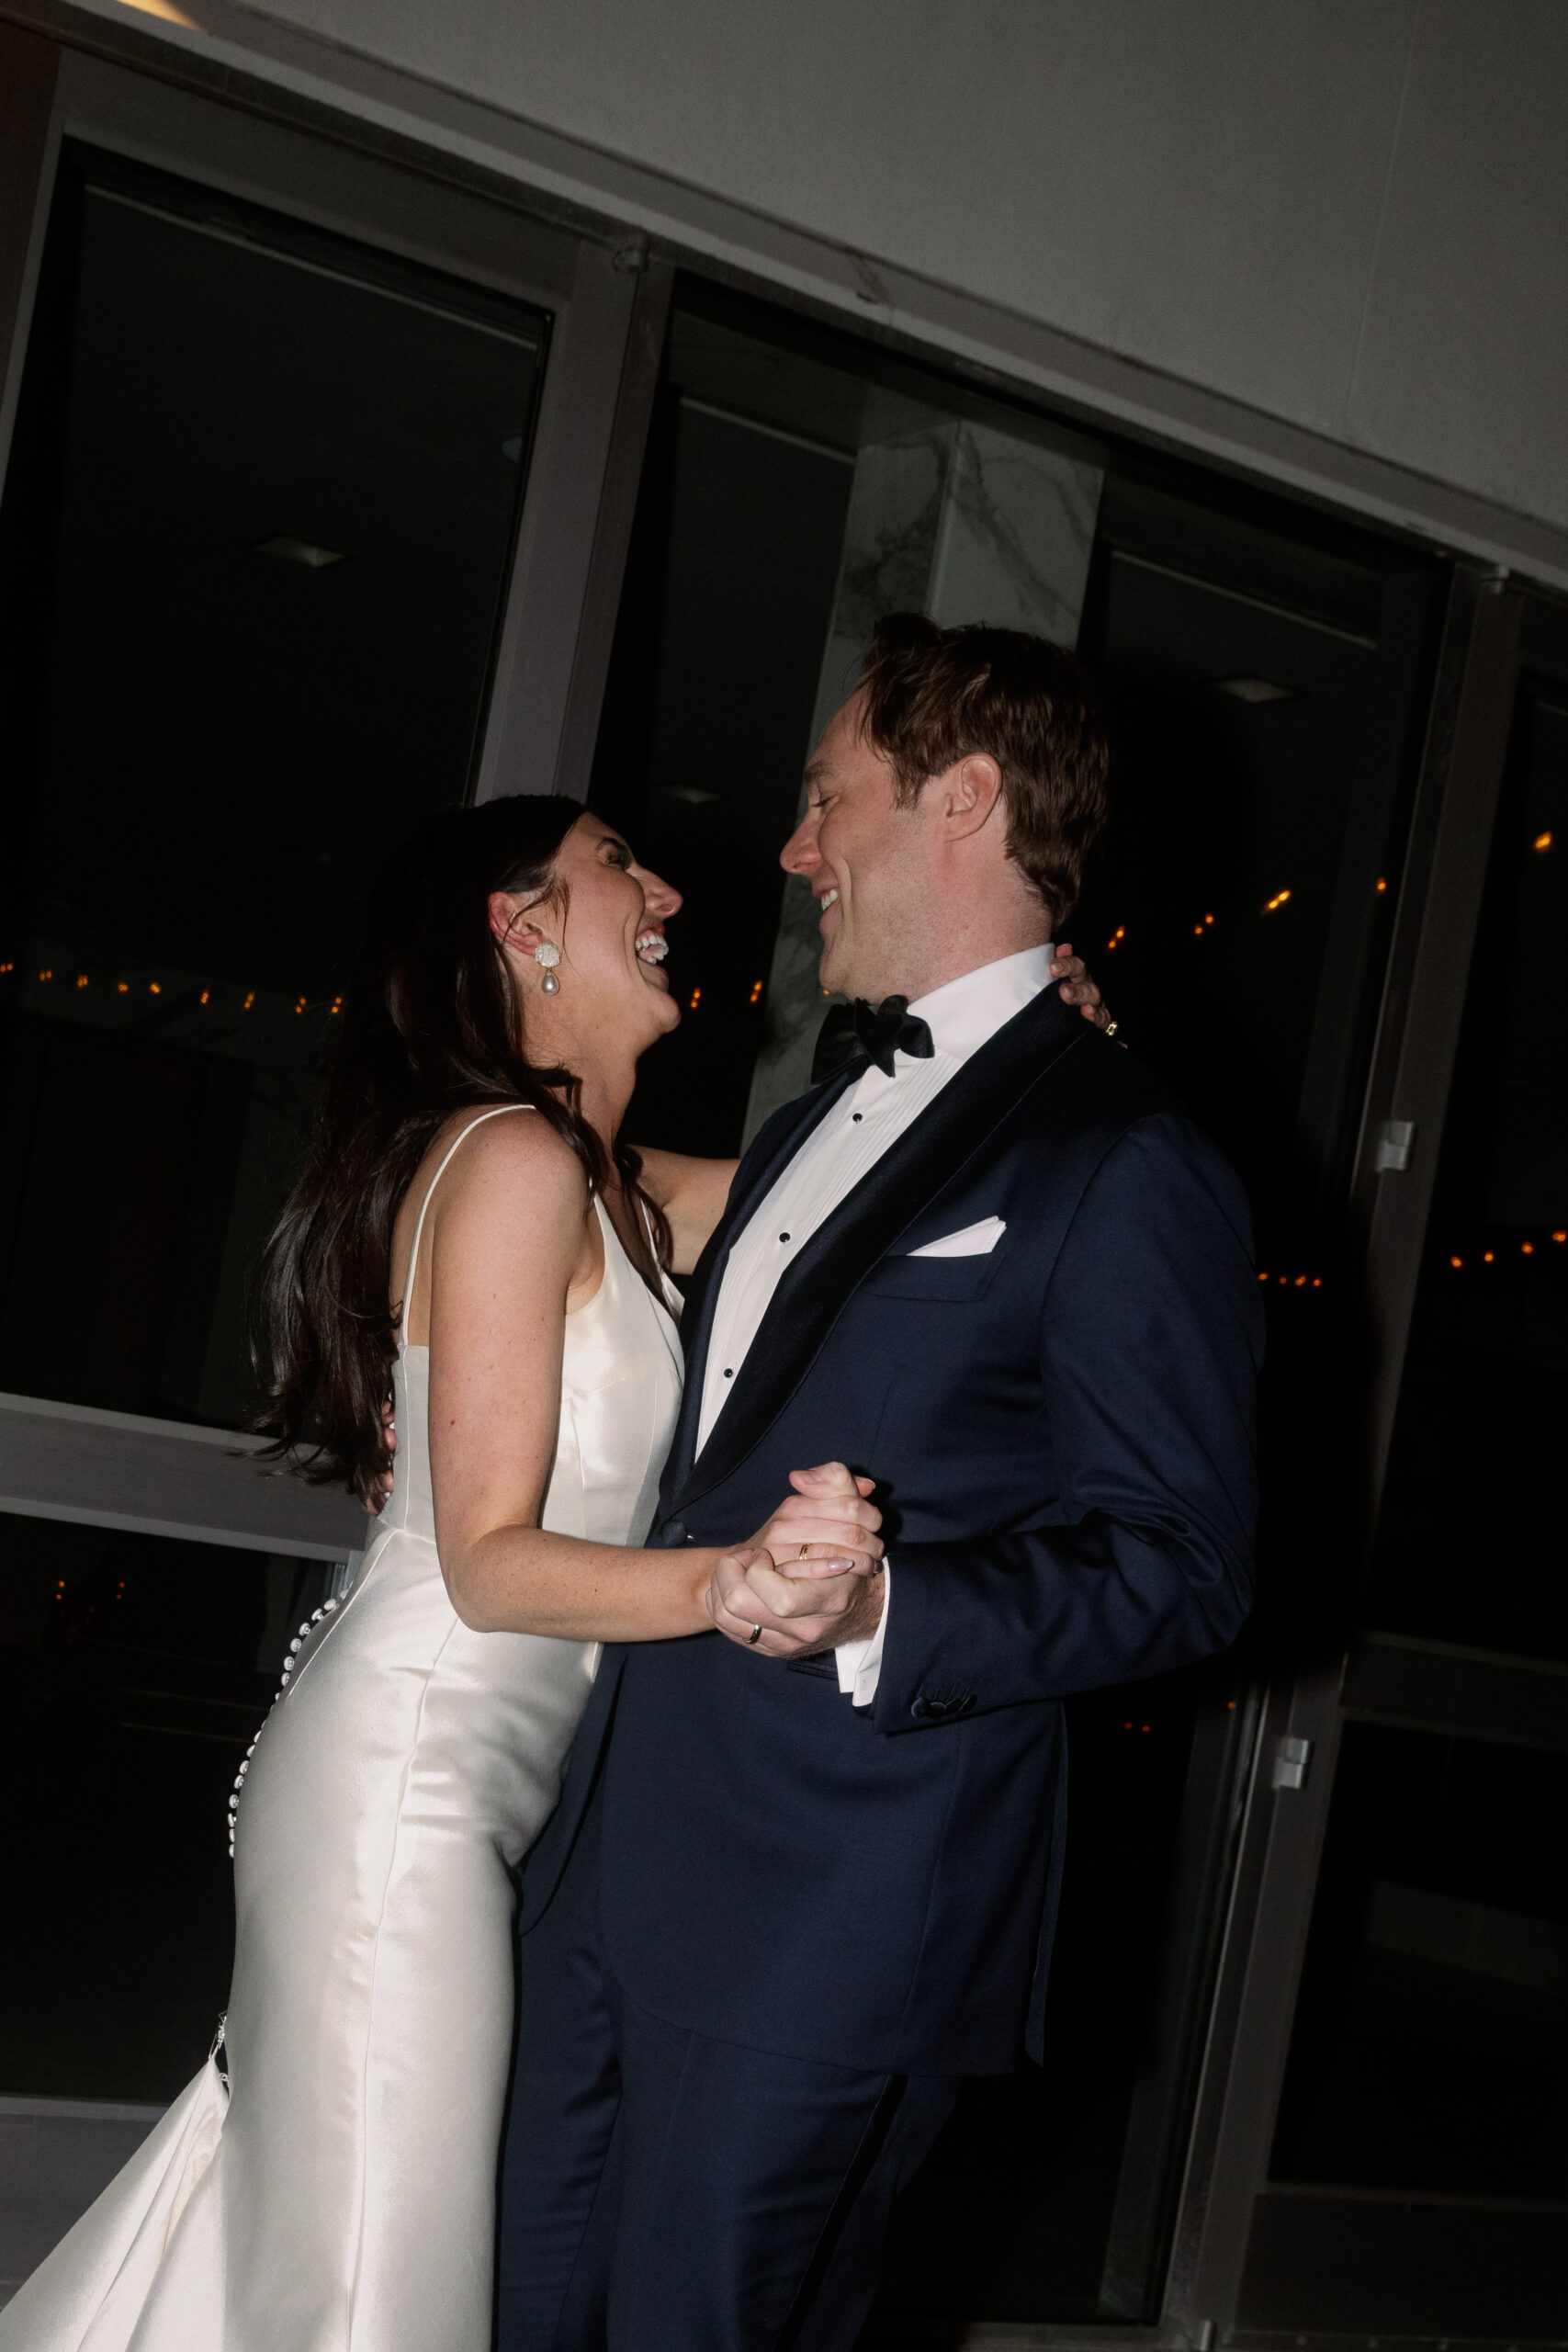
(865, 1122)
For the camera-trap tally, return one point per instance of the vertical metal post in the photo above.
(1429, 975)
(29, 141)
(561, 612)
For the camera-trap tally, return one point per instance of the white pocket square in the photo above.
(973, 1241)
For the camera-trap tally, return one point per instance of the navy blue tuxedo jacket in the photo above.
(1062, 1434)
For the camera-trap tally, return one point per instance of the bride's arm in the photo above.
(512, 1243)
(692, 1194)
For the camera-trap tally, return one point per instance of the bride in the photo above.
(469, 1236)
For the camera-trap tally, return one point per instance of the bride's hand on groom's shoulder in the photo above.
(1078, 987)
(811, 1575)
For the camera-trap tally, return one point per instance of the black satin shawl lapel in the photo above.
(753, 1177)
(812, 1292)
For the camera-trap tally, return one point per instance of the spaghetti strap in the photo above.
(499, 1112)
(669, 1298)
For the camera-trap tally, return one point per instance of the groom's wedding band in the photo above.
(753, 1637)
(804, 1549)
(1112, 1027)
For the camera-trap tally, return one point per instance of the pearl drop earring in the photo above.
(548, 954)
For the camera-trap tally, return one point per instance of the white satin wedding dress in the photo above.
(339, 2194)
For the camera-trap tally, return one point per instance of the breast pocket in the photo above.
(932, 1278)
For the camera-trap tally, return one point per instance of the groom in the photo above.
(802, 1880)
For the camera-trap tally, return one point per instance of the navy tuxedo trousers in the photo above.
(667, 2191)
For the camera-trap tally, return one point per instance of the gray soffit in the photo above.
(252, 61)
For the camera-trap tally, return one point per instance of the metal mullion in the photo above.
(29, 143)
(1413, 1056)
(611, 538)
(1329, 1108)
(554, 649)
(80, 1463)
(1434, 945)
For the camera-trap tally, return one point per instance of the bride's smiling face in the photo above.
(606, 916)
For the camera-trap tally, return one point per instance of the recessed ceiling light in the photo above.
(1256, 690)
(301, 551)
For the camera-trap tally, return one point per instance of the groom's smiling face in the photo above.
(867, 861)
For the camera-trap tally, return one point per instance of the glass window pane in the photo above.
(137, 1671)
(1431, 2041)
(255, 536)
(1470, 1542)
(1259, 684)
(795, 488)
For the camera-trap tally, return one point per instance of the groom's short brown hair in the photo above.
(930, 697)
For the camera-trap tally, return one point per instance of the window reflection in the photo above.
(134, 1673)
(254, 537)
(1431, 2041)
(1469, 1544)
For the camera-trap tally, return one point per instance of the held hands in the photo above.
(812, 1576)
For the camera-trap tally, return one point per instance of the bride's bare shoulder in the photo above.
(484, 1176)
(506, 1153)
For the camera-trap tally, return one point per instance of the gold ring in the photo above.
(1112, 1027)
(754, 1636)
(804, 1549)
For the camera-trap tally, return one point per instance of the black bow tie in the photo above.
(855, 1035)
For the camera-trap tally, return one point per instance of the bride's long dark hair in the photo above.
(432, 1025)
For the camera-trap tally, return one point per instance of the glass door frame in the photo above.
(1493, 630)
(608, 304)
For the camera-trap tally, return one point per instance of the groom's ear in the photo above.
(966, 795)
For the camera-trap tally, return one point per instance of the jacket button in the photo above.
(931, 1706)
